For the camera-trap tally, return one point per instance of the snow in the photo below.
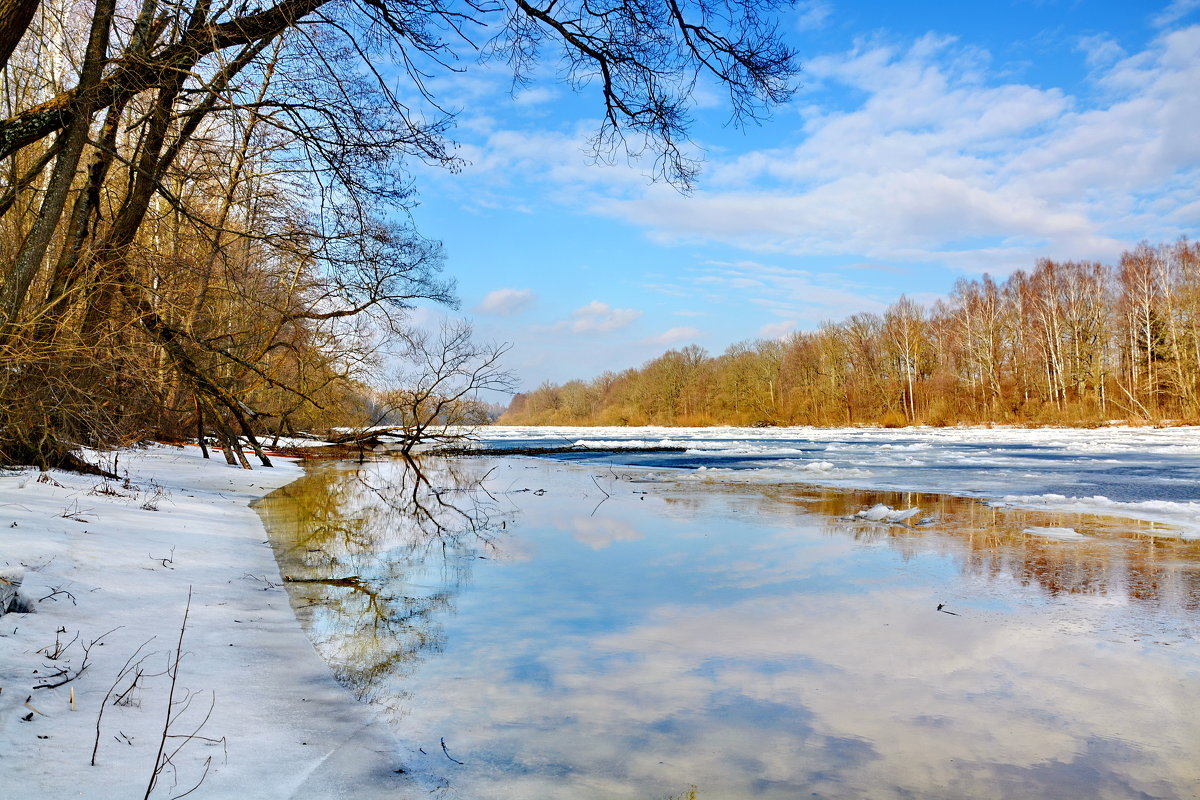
(109, 565)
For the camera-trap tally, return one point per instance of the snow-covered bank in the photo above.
(107, 567)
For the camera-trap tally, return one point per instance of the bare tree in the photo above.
(439, 392)
(200, 152)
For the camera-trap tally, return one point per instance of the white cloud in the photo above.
(776, 330)
(1100, 50)
(675, 335)
(796, 297)
(535, 96)
(598, 317)
(813, 14)
(560, 159)
(937, 162)
(1176, 11)
(506, 302)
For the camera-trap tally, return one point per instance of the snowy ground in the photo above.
(108, 566)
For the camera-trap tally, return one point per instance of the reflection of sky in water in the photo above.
(726, 638)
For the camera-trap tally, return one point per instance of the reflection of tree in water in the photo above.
(375, 554)
(1124, 559)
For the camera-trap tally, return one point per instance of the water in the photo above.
(1147, 473)
(573, 630)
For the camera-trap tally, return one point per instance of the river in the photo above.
(616, 625)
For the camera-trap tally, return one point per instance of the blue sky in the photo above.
(928, 141)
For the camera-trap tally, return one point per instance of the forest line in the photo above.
(1069, 342)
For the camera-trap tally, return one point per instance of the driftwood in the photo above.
(366, 438)
(544, 451)
(352, 581)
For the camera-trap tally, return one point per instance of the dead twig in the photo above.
(105, 488)
(447, 752)
(166, 561)
(352, 581)
(129, 664)
(267, 582)
(73, 511)
(159, 764)
(66, 674)
(176, 709)
(602, 502)
(56, 651)
(54, 596)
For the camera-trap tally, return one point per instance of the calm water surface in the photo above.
(588, 631)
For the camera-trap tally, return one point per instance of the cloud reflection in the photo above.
(601, 532)
(751, 642)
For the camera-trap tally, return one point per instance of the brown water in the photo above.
(572, 632)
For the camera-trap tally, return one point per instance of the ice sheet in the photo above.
(1142, 473)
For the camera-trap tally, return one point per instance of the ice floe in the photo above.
(882, 513)
(1064, 534)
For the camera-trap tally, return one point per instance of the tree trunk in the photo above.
(15, 16)
(74, 138)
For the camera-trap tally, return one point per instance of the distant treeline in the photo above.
(1072, 342)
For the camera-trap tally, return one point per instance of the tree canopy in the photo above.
(202, 204)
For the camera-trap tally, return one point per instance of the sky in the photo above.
(927, 142)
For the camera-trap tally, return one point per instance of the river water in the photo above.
(582, 627)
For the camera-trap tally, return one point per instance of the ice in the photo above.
(1065, 534)
(882, 513)
(1146, 474)
(118, 557)
(635, 444)
(1183, 518)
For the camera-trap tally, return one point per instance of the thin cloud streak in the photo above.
(506, 302)
(676, 335)
(598, 317)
